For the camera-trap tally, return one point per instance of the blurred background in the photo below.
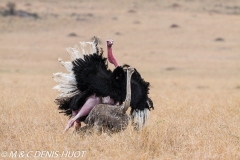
(163, 39)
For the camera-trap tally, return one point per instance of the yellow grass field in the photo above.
(189, 51)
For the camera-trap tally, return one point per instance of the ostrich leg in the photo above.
(87, 107)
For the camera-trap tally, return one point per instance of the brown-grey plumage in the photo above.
(111, 117)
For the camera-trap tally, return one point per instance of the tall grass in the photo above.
(200, 124)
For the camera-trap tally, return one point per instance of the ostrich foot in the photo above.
(78, 125)
(69, 125)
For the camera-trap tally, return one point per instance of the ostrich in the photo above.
(111, 117)
(90, 83)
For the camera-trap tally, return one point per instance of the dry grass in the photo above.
(195, 80)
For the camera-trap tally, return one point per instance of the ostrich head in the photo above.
(111, 58)
(109, 43)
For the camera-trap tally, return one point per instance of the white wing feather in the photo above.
(67, 85)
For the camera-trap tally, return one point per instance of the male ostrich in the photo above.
(111, 117)
(90, 82)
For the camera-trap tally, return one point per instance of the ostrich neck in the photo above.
(127, 101)
(111, 58)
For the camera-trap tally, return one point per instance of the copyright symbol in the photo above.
(4, 154)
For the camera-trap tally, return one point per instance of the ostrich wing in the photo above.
(88, 75)
(92, 74)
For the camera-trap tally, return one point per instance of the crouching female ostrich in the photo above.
(111, 117)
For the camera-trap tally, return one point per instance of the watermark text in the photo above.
(43, 154)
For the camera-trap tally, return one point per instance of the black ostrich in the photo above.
(90, 83)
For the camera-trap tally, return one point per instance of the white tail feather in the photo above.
(140, 117)
(92, 47)
(67, 65)
(64, 78)
(149, 105)
(64, 88)
(83, 45)
(66, 92)
(73, 52)
(67, 85)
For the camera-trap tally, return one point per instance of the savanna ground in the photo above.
(188, 50)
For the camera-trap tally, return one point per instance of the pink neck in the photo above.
(111, 58)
